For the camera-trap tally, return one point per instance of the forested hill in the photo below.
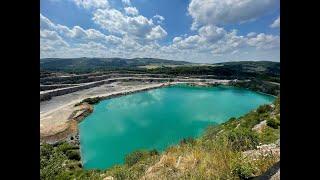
(265, 70)
(268, 67)
(60, 64)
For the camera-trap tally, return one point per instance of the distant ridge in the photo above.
(96, 63)
(232, 67)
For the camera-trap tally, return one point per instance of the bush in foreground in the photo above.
(274, 123)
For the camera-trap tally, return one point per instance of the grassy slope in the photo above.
(217, 154)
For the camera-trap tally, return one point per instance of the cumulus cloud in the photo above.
(220, 12)
(276, 23)
(62, 41)
(211, 33)
(138, 26)
(156, 33)
(129, 34)
(251, 34)
(218, 41)
(126, 2)
(50, 41)
(131, 11)
(88, 4)
(77, 33)
(159, 19)
(264, 41)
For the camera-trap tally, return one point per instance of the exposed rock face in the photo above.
(263, 150)
(46, 95)
(272, 173)
(84, 110)
(259, 127)
(70, 133)
(108, 178)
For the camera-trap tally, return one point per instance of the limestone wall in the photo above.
(46, 95)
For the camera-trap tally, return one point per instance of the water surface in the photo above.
(158, 118)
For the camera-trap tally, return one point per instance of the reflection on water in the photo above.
(158, 118)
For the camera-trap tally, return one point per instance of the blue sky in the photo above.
(193, 30)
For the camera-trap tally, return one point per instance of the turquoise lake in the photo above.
(158, 118)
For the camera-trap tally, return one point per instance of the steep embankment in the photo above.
(237, 149)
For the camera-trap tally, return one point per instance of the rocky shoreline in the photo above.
(71, 134)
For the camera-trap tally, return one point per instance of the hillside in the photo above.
(267, 67)
(263, 70)
(60, 64)
(241, 148)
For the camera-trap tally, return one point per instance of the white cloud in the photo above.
(156, 33)
(77, 33)
(137, 27)
(187, 43)
(129, 34)
(264, 41)
(126, 2)
(276, 23)
(159, 19)
(220, 42)
(50, 41)
(220, 12)
(131, 11)
(45, 23)
(211, 33)
(251, 34)
(88, 4)
(50, 35)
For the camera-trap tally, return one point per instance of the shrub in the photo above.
(134, 157)
(73, 155)
(243, 170)
(91, 101)
(274, 123)
(242, 139)
(46, 150)
(264, 109)
(211, 131)
(153, 152)
(188, 140)
(64, 147)
(119, 172)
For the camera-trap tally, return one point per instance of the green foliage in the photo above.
(263, 70)
(61, 161)
(188, 140)
(243, 170)
(64, 147)
(139, 155)
(273, 122)
(90, 64)
(242, 139)
(269, 135)
(134, 157)
(264, 108)
(73, 155)
(251, 119)
(154, 152)
(258, 84)
(94, 100)
(119, 172)
(218, 153)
